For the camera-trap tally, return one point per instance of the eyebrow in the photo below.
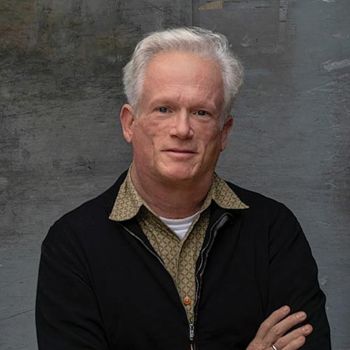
(204, 104)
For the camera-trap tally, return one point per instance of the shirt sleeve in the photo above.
(293, 278)
(67, 312)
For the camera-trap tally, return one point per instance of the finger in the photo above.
(295, 344)
(281, 328)
(272, 320)
(303, 331)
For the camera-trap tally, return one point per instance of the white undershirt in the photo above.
(180, 226)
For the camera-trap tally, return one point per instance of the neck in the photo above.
(171, 200)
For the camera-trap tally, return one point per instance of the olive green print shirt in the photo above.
(179, 256)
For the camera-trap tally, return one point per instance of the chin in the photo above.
(176, 174)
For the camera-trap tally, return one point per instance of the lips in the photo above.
(180, 154)
(180, 151)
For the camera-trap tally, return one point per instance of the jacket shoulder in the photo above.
(261, 205)
(90, 215)
(252, 198)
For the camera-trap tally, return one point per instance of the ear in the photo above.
(127, 118)
(226, 131)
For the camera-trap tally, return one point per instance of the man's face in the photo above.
(177, 134)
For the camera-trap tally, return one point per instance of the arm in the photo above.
(67, 313)
(292, 280)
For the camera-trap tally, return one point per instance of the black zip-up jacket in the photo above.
(102, 286)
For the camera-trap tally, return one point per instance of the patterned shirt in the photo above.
(179, 256)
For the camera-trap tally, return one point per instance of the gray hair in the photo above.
(188, 39)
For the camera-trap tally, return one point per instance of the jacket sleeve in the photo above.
(293, 278)
(67, 313)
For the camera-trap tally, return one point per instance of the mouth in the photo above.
(180, 151)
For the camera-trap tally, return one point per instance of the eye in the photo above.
(201, 113)
(163, 109)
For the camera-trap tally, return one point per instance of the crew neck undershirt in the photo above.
(180, 226)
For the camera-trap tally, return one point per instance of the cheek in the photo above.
(211, 139)
(147, 134)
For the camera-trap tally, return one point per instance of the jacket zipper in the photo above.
(200, 272)
(191, 335)
(217, 225)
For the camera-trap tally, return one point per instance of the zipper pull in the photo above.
(191, 332)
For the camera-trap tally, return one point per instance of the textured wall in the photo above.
(60, 142)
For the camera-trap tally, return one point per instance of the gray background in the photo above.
(60, 141)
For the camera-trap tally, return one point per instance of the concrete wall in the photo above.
(60, 141)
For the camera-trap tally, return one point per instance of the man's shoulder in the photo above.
(265, 214)
(92, 213)
(252, 198)
(260, 204)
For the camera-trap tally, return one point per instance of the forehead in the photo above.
(183, 72)
(183, 64)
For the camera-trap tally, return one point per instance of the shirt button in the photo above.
(187, 300)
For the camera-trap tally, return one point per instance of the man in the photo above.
(171, 256)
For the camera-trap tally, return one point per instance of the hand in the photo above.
(274, 333)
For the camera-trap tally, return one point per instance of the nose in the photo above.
(182, 127)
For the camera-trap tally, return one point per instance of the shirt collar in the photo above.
(129, 202)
